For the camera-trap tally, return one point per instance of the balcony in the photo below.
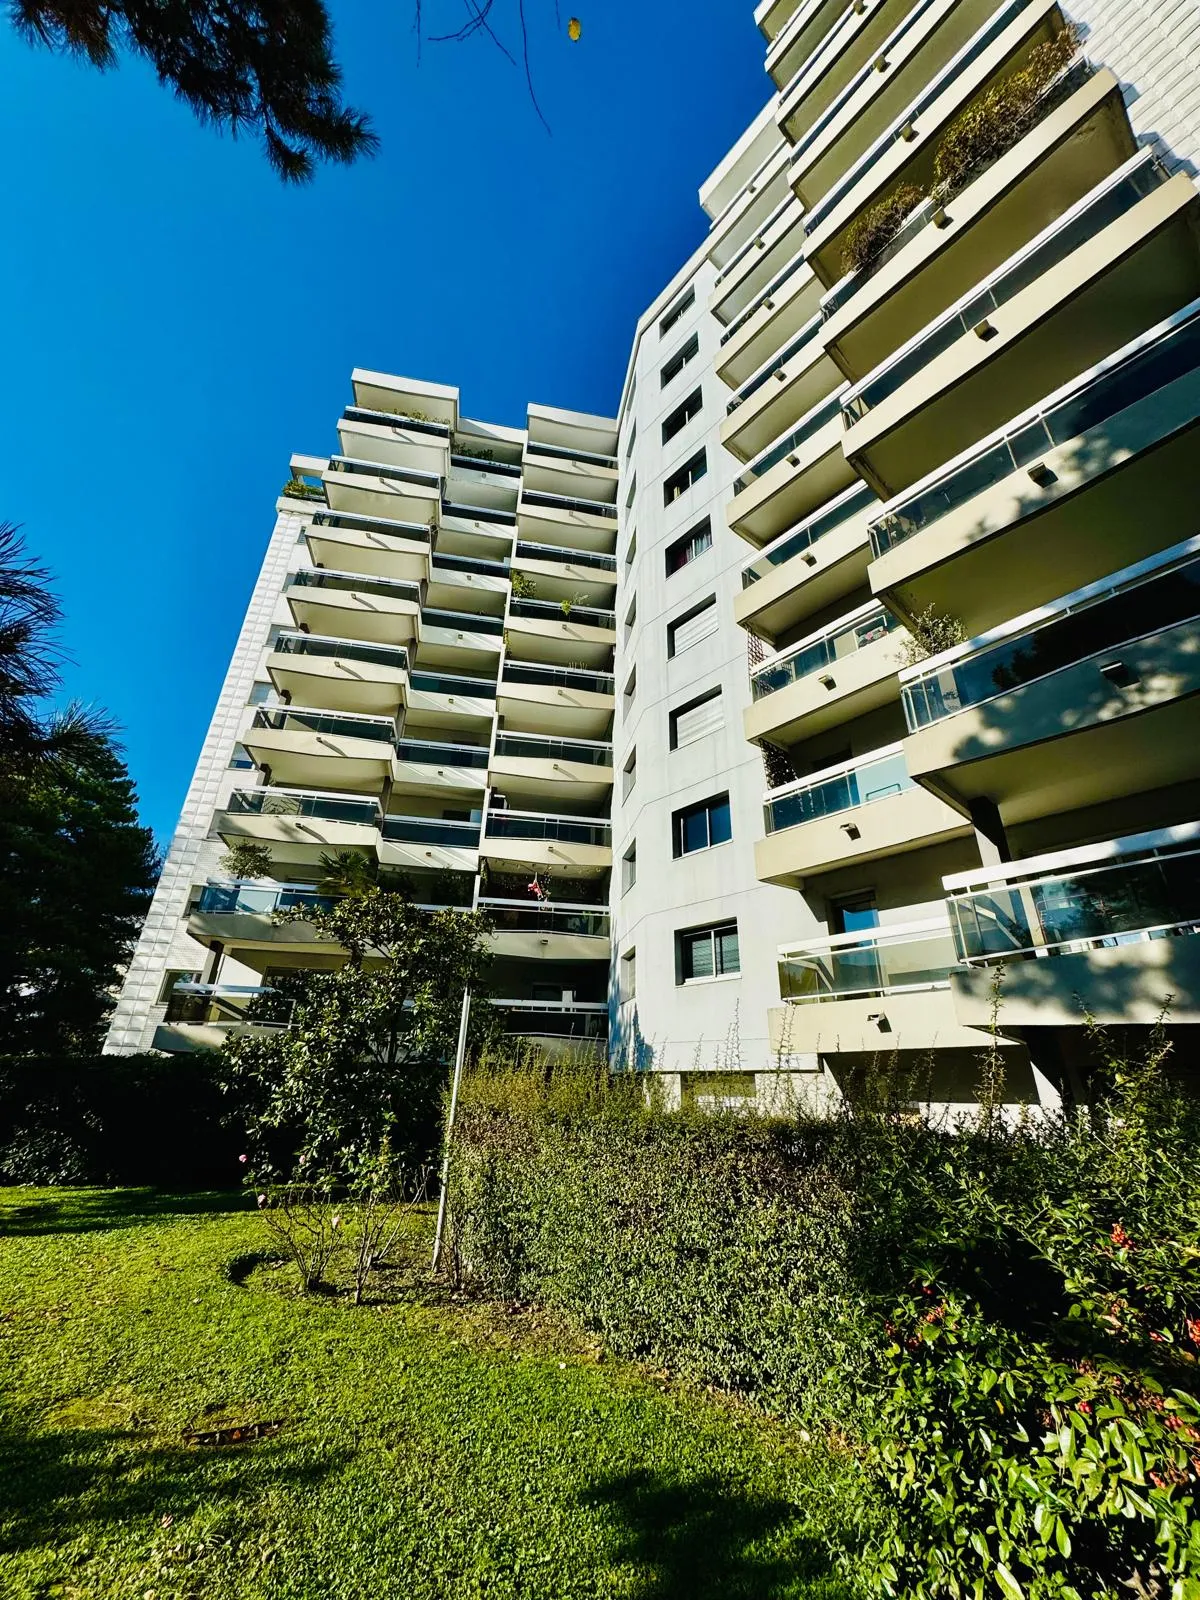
(554, 932)
(895, 52)
(868, 809)
(300, 825)
(559, 573)
(772, 319)
(317, 748)
(1108, 931)
(559, 773)
(809, 567)
(562, 1027)
(886, 989)
(438, 769)
(339, 674)
(904, 152)
(558, 470)
(429, 843)
(434, 405)
(1123, 257)
(1058, 494)
(742, 280)
(462, 643)
(374, 489)
(794, 478)
(452, 703)
(346, 605)
(382, 549)
(1108, 673)
(537, 699)
(200, 1016)
(242, 914)
(835, 675)
(796, 24)
(412, 446)
(561, 632)
(577, 847)
(788, 386)
(564, 520)
(749, 208)
(1083, 135)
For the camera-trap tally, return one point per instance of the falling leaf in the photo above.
(574, 28)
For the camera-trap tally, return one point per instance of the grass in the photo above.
(429, 1449)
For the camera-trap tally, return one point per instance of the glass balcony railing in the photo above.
(351, 467)
(799, 539)
(518, 916)
(562, 611)
(452, 683)
(506, 469)
(418, 531)
(357, 582)
(223, 1003)
(534, 825)
(807, 336)
(346, 725)
(260, 899)
(461, 621)
(434, 753)
(902, 959)
(1135, 889)
(575, 1019)
(449, 563)
(558, 677)
(768, 221)
(558, 552)
(1075, 228)
(561, 502)
(822, 414)
(1148, 364)
(777, 282)
(937, 86)
(558, 452)
(874, 777)
(397, 420)
(1144, 599)
(529, 747)
(317, 644)
(454, 508)
(302, 803)
(840, 639)
(431, 830)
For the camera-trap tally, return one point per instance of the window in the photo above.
(629, 775)
(629, 869)
(681, 416)
(241, 759)
(696, 719)
(629, 443)
(171, 977)
(628, 977)
(631, 550)
(853, 912)
(680, 481)
(694, 543)
(695, 624)
(701, 826)
(680, 359)
(685, 303)
(259, 694)
(630, 617)
(707, 953)
(630, 692)
(629, 498)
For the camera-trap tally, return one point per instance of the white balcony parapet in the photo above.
(906, 957)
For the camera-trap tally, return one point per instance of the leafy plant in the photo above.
(301, 489)
(523, 586)
(348, 872)
(245, 859)
(878, 225)
(929, 633)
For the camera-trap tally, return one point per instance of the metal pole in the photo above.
(459, 1055)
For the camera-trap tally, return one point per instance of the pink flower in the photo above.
(262, 1199)
(243, 1159)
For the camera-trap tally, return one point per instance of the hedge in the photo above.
(1001, 1323)
(138, 1119)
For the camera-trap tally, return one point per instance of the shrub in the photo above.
(878, 226)
(1002, 1320)
(1001, 115)
(929, 633)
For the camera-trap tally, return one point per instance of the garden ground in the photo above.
(429, 1448)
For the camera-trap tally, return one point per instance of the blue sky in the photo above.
(177, 322)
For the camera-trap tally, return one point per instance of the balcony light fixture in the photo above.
(984, 329)
(1118, 674)
(851, 831)
(908, 132)
(1042, 474)
(881, 64)
(880, 1020)
(939, 218)
(793, 461)
(826, 681)
(809, 559)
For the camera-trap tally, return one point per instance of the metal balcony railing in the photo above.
(431, 830)
(842, 638)
(357, 582)
(531, 747)
(877, 776)
(519, 916)
(536, 825)
(905, 958)
(800, 538)
(346, 725)
(821, 415)
(331, 648)
(434, 753)
(260, 899)
(302, 803)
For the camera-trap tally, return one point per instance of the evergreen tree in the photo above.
(76, 874)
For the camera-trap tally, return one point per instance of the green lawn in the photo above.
(428, 1448)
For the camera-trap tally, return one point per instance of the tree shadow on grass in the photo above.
(58, 1483)
(704, 1540)
(100, 1210)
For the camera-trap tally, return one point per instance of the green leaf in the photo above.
(1008, 1584)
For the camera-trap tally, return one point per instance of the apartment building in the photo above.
(424, 679)
(875, 614)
